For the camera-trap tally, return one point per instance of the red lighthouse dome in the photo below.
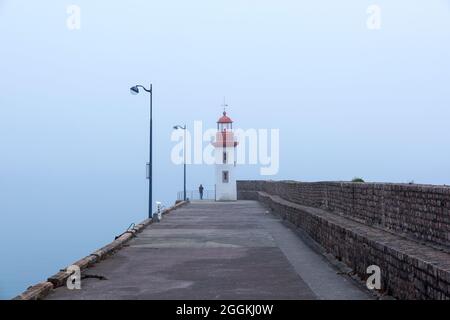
(224, 136)
(224, 119)
(224, 123)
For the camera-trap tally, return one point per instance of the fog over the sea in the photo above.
(349, 101)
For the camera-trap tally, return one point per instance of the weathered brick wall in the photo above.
(355, 223)
(417, 211)
(409, 270)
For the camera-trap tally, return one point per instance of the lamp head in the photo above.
(134, 90)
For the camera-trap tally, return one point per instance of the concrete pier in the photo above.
(215, 250)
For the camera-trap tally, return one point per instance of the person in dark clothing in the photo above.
(200, 190)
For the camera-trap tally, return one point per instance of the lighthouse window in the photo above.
(224, 157)
(224, 126)
(225, 176)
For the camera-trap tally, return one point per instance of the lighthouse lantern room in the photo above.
(225, 155)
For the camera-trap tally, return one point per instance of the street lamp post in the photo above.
(184, 161)
(135, 90)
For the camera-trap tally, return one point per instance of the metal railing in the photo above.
(195, 195)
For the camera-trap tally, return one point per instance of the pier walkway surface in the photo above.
(216, 250)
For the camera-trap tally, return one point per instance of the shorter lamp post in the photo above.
(184, 162)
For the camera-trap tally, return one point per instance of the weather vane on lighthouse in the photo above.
(225, 154)
(224, 105)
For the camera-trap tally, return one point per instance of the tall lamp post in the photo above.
(184, 162)
(135, 90)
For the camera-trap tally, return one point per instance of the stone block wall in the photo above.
(403, 229)
(421, 212)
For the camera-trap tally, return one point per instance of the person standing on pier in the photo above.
(200, 190)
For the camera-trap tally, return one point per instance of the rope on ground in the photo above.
(94, 276)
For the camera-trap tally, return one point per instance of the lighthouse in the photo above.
(225, 155)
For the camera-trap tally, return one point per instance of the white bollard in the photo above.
(157, 216)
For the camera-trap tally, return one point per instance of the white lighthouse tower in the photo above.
(225, 155)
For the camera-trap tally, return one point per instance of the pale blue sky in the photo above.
(348, 102)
